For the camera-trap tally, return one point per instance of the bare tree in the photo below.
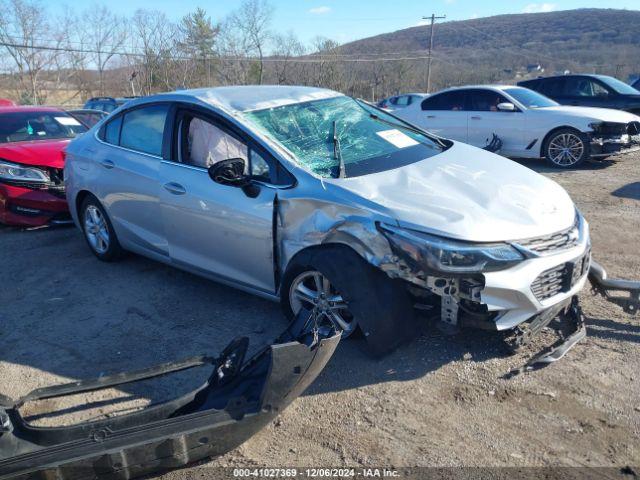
(105, 33)
(251, 21)
(154, 35)
(22, 22)
(286, 48)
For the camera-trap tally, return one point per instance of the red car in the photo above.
(32, 143)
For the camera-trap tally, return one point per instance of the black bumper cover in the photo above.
(237, 401)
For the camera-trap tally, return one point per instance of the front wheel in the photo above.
(566, 148)
(352, 294)
(313, 290)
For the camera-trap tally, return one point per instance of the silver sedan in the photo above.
(322, 201)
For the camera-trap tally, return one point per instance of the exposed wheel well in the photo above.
(309, 251)
(80, 197)
(543, 144)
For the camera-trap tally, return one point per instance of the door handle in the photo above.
(431, 116)
(107, 164)
(175, 188)
(476, 118)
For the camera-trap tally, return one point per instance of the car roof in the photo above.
(569, 75)
(29, 108)
(482, 87)
(258, 97)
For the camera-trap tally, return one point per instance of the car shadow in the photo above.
(611, 330)
(631, 191)
(352, 367)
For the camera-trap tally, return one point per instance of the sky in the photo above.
(346, 20)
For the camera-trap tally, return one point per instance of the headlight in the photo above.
(14, 171)
(433, 253)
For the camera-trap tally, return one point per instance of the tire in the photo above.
(379, 306)
(98, 231)
(566, 148)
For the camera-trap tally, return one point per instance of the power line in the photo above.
(317, 58)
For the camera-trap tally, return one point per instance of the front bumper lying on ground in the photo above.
(237, 401)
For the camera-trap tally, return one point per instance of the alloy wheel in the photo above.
(96, 229)
(566, 149)
(313, 290)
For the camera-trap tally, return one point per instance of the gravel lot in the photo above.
(440, 401)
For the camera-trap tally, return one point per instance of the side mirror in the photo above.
(506, 107)
(229, 172)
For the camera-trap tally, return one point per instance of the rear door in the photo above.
(485, 120)
(586, 92)
(443, 114)
(218, 230)
(127, 176)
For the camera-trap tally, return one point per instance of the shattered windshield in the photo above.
(323, 133)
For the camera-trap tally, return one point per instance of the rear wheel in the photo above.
(98, 231)
(566, 148)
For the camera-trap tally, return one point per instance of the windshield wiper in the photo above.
(398, 125)
(337, 153)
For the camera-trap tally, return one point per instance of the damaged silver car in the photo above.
(321, 201)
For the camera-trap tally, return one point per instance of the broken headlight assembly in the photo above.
(15, 173)
(433, 253)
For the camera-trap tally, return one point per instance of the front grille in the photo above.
(550, 282)
(555, 242)
(560, 279)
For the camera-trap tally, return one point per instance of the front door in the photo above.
(485, 120)
(216, 229)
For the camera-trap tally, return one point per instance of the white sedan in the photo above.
(526, 124)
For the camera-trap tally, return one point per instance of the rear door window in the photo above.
(112, 131)
(552, 87)
(446, 101)
(143, 129)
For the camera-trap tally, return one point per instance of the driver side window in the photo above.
(205, 144)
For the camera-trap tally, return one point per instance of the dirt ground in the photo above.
(440, 401)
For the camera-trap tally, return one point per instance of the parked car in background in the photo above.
(106, 104)
(291, 193)
(88, 117)
(587, 91)
(6, 102)
(400, 101)
(32, 141)
(528, 124)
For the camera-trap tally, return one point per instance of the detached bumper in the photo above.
(239, 399)
(25, 207)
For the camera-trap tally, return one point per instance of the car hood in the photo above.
(469, 194)
(595, 113)
(43, 153)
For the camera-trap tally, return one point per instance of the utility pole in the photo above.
(433, 19)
